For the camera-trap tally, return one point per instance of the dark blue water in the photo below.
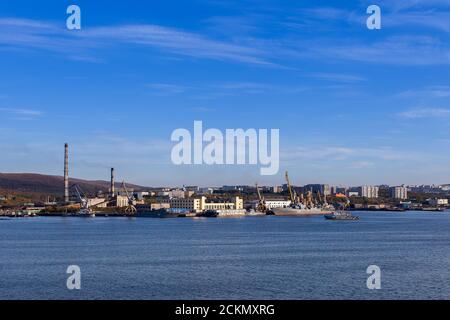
(247, 258)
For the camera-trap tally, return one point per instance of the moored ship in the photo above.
(303, 205)
(341, 215)
(85, 213)
(301, 210)
(223, 213)
(161, 213)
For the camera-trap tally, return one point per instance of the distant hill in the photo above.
(32, 183)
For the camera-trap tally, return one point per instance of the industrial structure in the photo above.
(87, 205)
(111, 189)
(66, 173)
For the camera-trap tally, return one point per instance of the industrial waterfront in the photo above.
(285, 199)
(286, 241)
(253, 258)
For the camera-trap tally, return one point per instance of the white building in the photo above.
(199, 204)
(97, 202)
(277, 203)
(163, 193)
(177, 193)
(206, 190)
(122, 201)
(276, 189)
(437, 202)
(141, 194)
(398, 193)
(368, 191)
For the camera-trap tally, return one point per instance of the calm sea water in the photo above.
(246, 258)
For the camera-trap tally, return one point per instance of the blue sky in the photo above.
(354, 106)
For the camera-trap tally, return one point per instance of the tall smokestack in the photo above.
(66, 173)
(112, 183)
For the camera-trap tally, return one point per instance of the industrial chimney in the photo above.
(112, 183)
(66, 173)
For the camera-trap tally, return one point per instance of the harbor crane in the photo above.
(130, 209)
(85, 207)
(84, 203)
(262, 202)
(291, 194)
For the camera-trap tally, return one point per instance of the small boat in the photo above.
(254, 213)
(210, 214)
(85, 213)
(341, 216)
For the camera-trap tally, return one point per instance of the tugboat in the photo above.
(341, 215)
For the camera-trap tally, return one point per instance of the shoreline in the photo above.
(124, 215)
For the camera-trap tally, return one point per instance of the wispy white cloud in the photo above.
(202, 109)
(333, 153)
(427, 92)
(225, 89)
(263, 51)
(400, 5)
(394, 14)
(398, 50)
(22, 114)
(238, 88)
(179, 42)
(166, 88)
(338, 77)
(36, 34)
(428, 19)
(362, 164)
(426, 113)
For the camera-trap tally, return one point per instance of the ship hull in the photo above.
(161, 213)
(300, 212)
(339, 217)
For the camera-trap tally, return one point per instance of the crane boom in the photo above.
(291, 195)
(262, 202)
(81, 196)
(130, 208)
(259, 194)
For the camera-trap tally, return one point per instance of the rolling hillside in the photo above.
(39, 184)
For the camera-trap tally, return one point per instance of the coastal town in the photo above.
(120, 199)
